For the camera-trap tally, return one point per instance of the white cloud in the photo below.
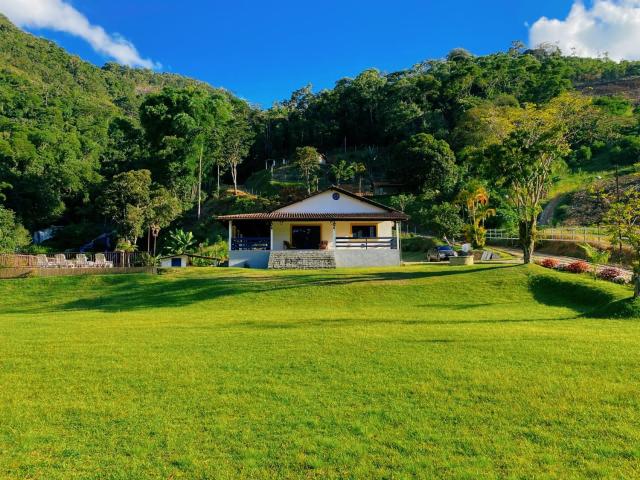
(607, 26)
(61, 16)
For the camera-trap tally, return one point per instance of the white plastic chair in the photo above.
(102, 262)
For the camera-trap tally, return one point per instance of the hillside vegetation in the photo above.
(69, 130)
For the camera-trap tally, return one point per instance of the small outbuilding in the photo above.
(174, 261)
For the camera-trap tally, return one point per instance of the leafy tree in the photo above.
(342, 170)
(237, 142)
(427, 164)
(163, 209)
(402, 201)
(307, 161)
(444, 220)
(623, 219)
(13, 236)
(125, 202)
(524, 162)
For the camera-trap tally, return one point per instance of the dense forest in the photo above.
(119, 149)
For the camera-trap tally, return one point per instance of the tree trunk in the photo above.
(218, 187)
(234, 176)
(636, 288)
(200, 181)
(527, 234)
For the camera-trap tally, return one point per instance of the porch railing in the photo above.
(250, 243)
(367, 243)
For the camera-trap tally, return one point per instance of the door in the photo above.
(305, 237)
(176, 262)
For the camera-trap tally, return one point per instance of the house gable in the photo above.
(326, 202)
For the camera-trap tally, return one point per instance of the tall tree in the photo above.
(237, 142)
(125, 201)
(307, 160)
(524, 162)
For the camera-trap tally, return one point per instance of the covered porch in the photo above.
(329, 229)
(264, 235)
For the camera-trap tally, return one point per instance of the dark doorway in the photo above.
(305, 237)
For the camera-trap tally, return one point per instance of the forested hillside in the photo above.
(125, 149)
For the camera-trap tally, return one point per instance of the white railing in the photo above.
(560, 234)
(366, 243)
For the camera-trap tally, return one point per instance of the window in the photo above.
(363, 231)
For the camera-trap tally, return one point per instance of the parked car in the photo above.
(443, 252)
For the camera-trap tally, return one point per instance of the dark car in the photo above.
(441, 253)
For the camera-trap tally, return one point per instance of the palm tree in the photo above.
(474, 198)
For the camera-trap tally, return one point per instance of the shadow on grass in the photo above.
(590, 298)
(131, 293)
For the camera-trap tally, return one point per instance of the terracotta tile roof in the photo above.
(280, 216)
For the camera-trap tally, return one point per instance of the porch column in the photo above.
(230, 233)
(270, 235)
(333, 235)
(398, 230)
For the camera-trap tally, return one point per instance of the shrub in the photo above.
(418, 244)
(577, 267)
(620, 280)
(609, 274)
(550, 263)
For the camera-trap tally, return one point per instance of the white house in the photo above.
(332, 228)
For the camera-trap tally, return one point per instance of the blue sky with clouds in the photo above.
(263, 50)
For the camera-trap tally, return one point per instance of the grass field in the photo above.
(415, 372)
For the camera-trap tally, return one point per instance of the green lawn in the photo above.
(426, 371)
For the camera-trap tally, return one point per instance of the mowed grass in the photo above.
(415, 372)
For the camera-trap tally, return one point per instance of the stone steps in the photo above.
(302, 259)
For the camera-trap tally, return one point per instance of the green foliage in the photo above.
(13, 236)
(445, 221)
(127, 246)
(68, 128)
(125, 202)
(427, 164)
(180, 242)
(596, 257)
(623, 220)
(307, 160)
(626, 151)
(418, 244)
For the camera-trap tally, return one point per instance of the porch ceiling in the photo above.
(283, 216)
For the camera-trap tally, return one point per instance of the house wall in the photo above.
(282, 231)
(324, 203)
(249, 258)
(367, 258)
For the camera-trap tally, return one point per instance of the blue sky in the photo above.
(262, 51)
